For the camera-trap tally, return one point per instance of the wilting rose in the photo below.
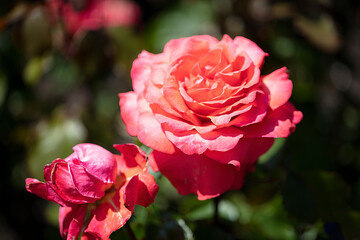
(93, 178)
(79, 15)
(207, 112)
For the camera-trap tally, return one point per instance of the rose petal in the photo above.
(145, 68)
(141, 190)
(86, 183)
(138, 116)
(132, 160)
(150, 132)
(278, 123)
(213, 91)
(196, 45)
(178, 124)
(183, 67)
(223, 119)
(173, 96)
(110, 211)
(210, 107)
(279, 86)
(44, 191)
(240, 176)
(254, 115)
(129, 113)
(212, 62)
(91, 236)
(147, 189)
(98, 161)
(71, 221)
(196, 174)
(255, 148)
(245, 72)
(192, 142)
(131, 191)
(241, 44)
(154, 96)
(246, 152)
(62, 183)
(216, 107)
(235, 72)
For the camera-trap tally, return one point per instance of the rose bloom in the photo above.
(206, 111)
(82, 15)
(94, 179)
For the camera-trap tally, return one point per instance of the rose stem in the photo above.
(130, 232)
(216, 210)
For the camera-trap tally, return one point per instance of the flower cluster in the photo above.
(93, 14)
(206, 110)
(95, 180)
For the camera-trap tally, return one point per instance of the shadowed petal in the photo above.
(71, 221)
(91, 236)
(132, 160)
(147, 189)
(196, 174)
(247, 151)
(140, 190)
(44, 191)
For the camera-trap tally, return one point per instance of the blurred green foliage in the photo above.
(58, 90)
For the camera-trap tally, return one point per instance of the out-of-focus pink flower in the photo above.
(207, 111)
(93, 179)
(94, 14)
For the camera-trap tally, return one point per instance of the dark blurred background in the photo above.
(58, 89)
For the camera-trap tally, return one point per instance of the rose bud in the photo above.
(95, 180)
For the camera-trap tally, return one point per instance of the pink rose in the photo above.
(93, 178)
(94, 14)
(207, 112)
